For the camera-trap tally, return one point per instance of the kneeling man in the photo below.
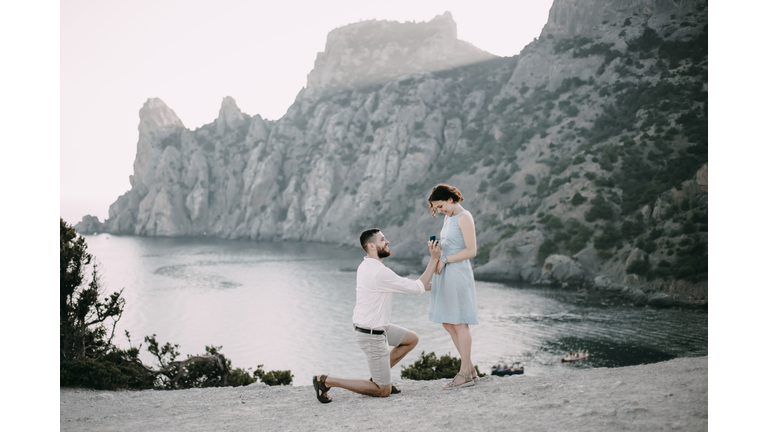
(373, 308)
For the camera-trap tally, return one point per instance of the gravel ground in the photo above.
(671, 395)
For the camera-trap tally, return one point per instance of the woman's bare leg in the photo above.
(462, 339)
(452, 332)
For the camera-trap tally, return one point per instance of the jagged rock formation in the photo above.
(372, 52)
(568, 18)
(90, 225)
(589, 146)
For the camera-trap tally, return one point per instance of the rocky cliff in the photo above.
(372, 52)
(583, 159)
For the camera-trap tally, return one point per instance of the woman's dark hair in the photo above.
(443, 192)
(367, 237)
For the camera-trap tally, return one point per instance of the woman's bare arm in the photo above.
(467, 226)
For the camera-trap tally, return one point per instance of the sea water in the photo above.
(289, 306)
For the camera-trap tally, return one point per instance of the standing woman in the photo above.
(453, 301)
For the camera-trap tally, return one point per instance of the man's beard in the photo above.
(383, 252)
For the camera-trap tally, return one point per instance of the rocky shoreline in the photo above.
(671, 395)
(660, 294)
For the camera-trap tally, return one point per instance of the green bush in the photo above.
(605, 182)
(684, 272)
(579, 241)
(600, 209)
(562, 236)
(482, 187)
(645, 42)
(561, 166)
(546, 249)
(273, 378)
(552, 222)
(501, 176)
(508, 232)
(608, 238)
(692, 261)
(578, 199)
(700, 217)
(607, 158)
(631, 228)
(429, 367)
(639, 267)
(111, 372)
(663, 269)
(506, 187)
(530, 179)
(490, 220)
(655, 233)
(689, 227)
(240, 377)
(649, 246)
(543, 188)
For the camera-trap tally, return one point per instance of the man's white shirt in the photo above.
(375, 285)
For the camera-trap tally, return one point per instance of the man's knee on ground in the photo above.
(384, 390)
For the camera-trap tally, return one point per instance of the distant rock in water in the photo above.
(609, 105)
(89, 225)
(372, 52)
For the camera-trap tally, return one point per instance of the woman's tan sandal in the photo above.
(467, 382)
(321, 390)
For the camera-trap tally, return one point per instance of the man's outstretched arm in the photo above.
(387, 280)
(434, 258)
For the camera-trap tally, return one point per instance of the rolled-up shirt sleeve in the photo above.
(389, 281)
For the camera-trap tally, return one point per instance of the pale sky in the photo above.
(191, 54)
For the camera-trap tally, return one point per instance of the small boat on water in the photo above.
(574, 356)
(515, 368)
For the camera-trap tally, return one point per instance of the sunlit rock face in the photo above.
(371, 52)
(613, 120)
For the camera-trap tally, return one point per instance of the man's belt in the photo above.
(369, 331)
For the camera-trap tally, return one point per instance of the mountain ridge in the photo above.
(583, 160)
(373, 51)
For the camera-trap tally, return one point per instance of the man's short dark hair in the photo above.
(367, 237)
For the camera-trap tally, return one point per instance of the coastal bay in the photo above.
(289, 306)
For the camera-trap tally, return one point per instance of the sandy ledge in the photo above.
(670, 395)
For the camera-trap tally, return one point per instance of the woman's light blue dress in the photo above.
(453, 299)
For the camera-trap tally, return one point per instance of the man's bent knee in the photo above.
(384, 390)
(411, 339)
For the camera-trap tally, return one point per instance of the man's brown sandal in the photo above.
(321, 390)
(394, 390)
